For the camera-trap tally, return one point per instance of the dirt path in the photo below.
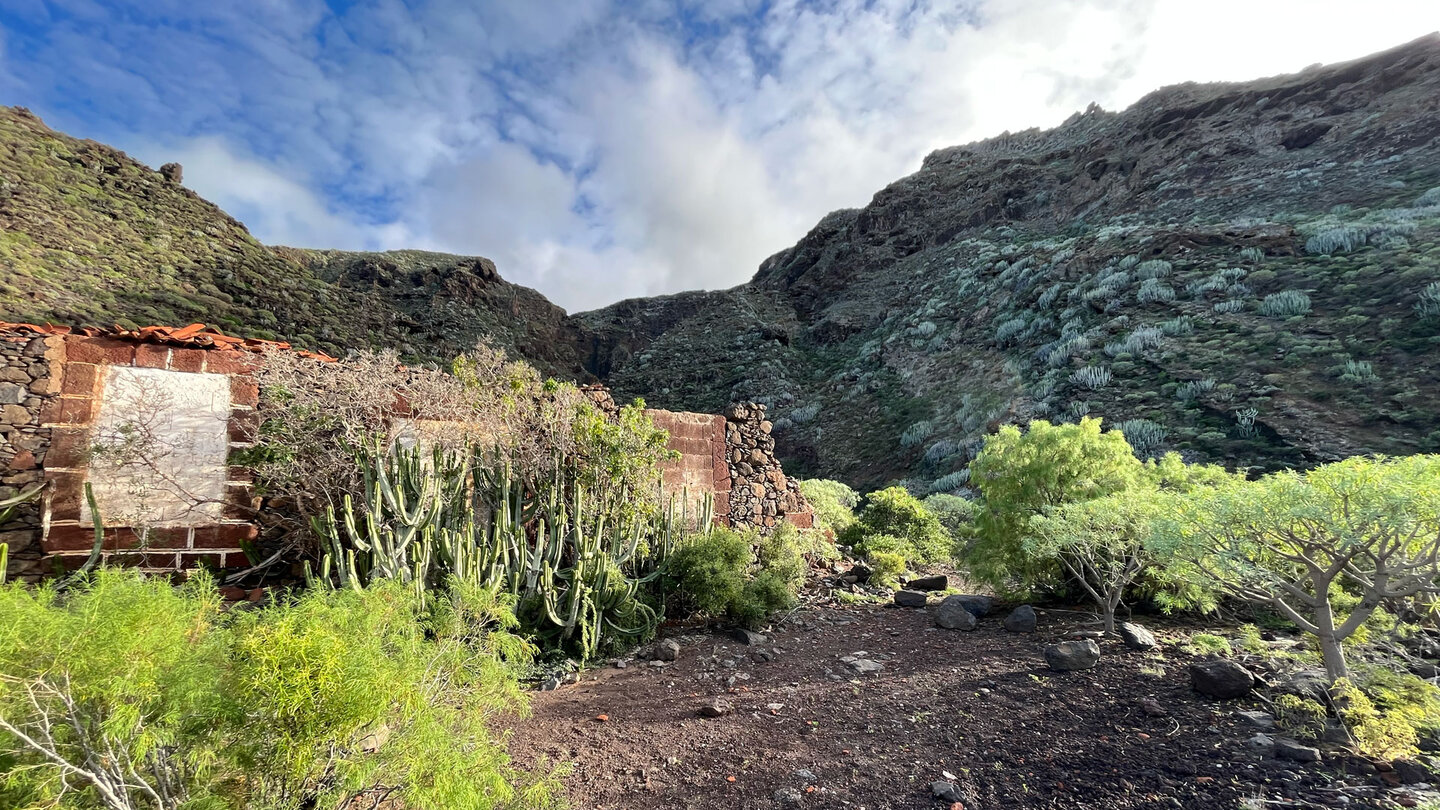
(977, 708)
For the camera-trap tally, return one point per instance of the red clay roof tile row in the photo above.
(196, 335)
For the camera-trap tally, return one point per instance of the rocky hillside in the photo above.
(1247, 273)
(90, 236)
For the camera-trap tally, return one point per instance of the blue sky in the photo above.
(600, 150)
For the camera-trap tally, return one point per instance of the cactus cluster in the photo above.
(574, 562)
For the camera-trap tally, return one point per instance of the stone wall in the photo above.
(760, 493)
(732, 459)
(27, 386)
(152, 428)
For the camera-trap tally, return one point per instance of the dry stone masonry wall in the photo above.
(760, 493)
(26, 386)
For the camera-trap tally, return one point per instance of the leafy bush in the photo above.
(834, 503)
(895, 515)
(1383, 735)
(345, 691)
(1021, 474)
(125, 692)
(1285, 304)
(955, 513)
(744, 578)
(1291, 540)
(1302, 718)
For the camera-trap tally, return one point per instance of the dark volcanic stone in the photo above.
(1068, 656)
(952, 614)
(1137, 637)
(1221, 679)
(935, 583)
(911, 598)
(1021, 620)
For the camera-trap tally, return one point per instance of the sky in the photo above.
(604, 150)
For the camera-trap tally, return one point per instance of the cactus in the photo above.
(9, 505)
(95, 549)
(427, 520)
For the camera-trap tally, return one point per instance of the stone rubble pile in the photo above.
(761, 495)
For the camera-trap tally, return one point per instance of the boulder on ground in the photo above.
(667, 650)
(1221, 679)
(935, 583)
(858, 574)
(1264, 721)
(1068, 656)
(748, 636)
(952, 614)
(1295, 752)
(946, 791)
(909, 598)
(976, 604)
(1307, 683)
(1021, 620)
(1136, 637)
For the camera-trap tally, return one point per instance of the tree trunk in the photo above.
(1334, 656)
(1108, 615)
(1330, 649)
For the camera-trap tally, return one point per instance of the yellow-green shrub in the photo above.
(1303, 718)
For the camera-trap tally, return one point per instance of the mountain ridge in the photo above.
(1146, 265)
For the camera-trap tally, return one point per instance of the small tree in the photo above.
(1293, 541)
(1100, 544)
(1023, 473)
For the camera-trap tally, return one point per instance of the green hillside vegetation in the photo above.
(89, 236)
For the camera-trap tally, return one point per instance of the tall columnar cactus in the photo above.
(427, 518)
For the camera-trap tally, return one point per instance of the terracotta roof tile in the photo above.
(196, 335)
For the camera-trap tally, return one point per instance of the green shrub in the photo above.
(1383, 735)
(1021, 474)
(955, 513)
(1302, 718)
(321, 682)
(124, 675)
(906, 526)
(1285, 304)
(1207, 644)
(834, 503)
(886, 567)
(129, 683)
(744, 578)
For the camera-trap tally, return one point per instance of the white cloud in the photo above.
(597, 149)
(276, 207)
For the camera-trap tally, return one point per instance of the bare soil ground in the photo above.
(978, 709)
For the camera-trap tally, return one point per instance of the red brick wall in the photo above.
(701, 469)
(64, 538)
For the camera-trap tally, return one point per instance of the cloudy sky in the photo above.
(602, 150)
